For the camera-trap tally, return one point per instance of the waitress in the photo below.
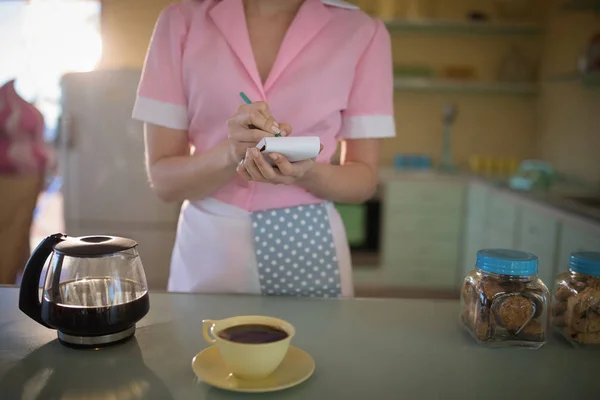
(313, 68)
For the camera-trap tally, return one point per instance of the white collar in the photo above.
(340, 4)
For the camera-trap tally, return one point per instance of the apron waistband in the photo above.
(213, 206)
(217, 207)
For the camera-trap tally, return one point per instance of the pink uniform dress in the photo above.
(332, 78)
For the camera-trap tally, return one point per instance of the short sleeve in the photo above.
(370, 110)
(161, 98)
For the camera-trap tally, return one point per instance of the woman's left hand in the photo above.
(254, 167)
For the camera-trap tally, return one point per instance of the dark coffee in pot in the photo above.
(253, 334)
(95, 306)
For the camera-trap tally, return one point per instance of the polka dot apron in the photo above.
(295, 252)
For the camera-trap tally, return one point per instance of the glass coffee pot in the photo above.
(95, 289)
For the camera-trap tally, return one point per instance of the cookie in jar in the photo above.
(503, 302)
(576, 300)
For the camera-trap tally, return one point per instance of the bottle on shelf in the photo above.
(501, 167)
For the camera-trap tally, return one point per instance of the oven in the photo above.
(363, 228)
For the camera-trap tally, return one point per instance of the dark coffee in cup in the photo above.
(253, 334)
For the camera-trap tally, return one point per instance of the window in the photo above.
(40, 40)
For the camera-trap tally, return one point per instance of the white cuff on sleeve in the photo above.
(368, 127)
(160, 113)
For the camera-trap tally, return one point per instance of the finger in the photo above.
(249, 137)
(285, 167)
(256, 118)
(241, 148)
(262, 120)
(241, 170)
(321, 149)
(263, 106)
(251, 167)
(246, 114)
(271, 125)
(286, 129)
(265, 168)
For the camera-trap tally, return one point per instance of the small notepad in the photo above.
(295, 149)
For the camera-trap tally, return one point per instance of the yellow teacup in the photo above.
(244, 360)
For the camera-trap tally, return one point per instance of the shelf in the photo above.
(582, 5)
(445, 86)
(591, 80)
(462, 27)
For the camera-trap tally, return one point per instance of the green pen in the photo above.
(247, 101)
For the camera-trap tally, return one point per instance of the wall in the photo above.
(126, 29)
(569, 114)
(496, 125)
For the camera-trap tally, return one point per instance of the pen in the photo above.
(247, 101)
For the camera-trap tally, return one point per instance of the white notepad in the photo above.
(295, 149)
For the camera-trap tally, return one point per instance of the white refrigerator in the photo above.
(101, 158)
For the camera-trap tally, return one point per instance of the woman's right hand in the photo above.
(250, 125)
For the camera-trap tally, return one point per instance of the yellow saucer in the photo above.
(296, 367)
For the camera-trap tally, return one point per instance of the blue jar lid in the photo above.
(585, 262)
(507, 262)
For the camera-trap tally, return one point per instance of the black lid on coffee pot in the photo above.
(94, 246)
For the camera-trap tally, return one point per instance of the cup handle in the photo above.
(208, 326)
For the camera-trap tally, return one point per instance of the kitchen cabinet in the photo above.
(432, 230)
(491, 222)
(431, 274)
(500, 221)
(422, 228)
(475, 225)
(575, 237)
(537, 233)
(435, 196)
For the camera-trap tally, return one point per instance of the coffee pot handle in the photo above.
(29, 298)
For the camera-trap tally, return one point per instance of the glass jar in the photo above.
(503, 302)
(576, 302)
